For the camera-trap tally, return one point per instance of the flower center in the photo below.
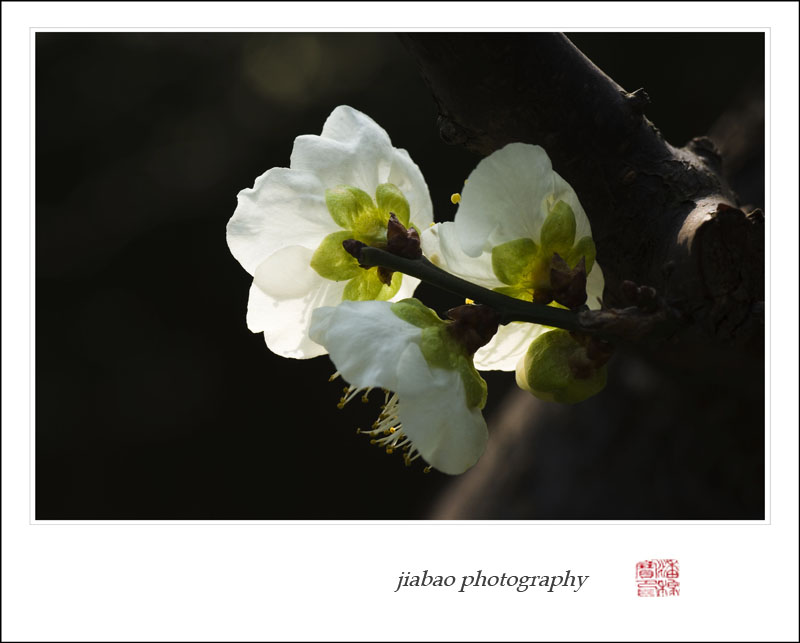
(525, 266)
(365, 220)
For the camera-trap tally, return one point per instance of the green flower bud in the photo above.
(557, 368)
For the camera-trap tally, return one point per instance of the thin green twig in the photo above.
(509, 308)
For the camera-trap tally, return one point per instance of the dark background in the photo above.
(153, 400)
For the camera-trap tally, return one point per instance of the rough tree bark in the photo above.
(661, 216)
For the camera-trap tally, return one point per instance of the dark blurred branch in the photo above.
(660, 215)
(738, 134)
(680, 433)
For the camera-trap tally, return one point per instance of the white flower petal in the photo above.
(285, 322)
(440, 245)
(352, 150)
(406, 175)
(287, 274)
(434, 414)
(509, 344)
(358, 163)
(505, 198)
(285, 291)
(502, 196)
(346, 124)
(365, 339)
(407, 287)
(284, 208)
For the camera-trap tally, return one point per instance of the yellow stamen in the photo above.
(469, 301)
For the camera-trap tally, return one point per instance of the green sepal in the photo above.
(332, 261)
(545, 371)
(346, 204)
(416, 313)
(517, 292)
(390, 199)
(439, 347)
(512, 261)
(441, 350)
(558, 230)
(583, 248)
(366, 286)
(474, 385)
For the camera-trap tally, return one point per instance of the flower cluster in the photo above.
(520, 231)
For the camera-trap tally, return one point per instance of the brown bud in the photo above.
(647, 300)
(568, 285)
(473, 325)
(629, 291)
(402, 241)
(385, 275)
(580, 366)
(353, 247)
(643, 297)
(599, 351)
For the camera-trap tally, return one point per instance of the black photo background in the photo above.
(153, 400)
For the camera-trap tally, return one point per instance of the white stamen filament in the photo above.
(387, 430)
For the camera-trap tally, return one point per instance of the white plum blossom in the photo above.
(514, 215)
(434, 395)
(287, 230)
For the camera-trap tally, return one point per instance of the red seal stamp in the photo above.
(658, 577)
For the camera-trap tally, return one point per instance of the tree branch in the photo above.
(509, 308)
(660, 215)
(632, 324)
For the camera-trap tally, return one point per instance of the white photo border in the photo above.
(267, 580)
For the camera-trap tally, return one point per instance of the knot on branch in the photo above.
(649, 319)
(637, 100)
(630, 325)
(729, 249)
(708, 152)
(643, 297)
